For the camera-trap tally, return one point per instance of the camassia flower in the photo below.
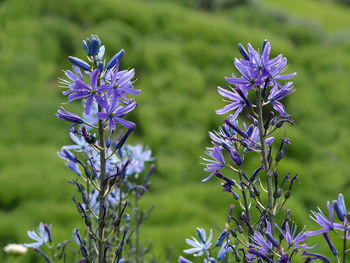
(115, 113)
(277, 93)
(257, 69)
(41, 238)
(238, 101)
(214, 164)
(261, 246)
(92, 92)
(120, 82)
(292, 238)
(321, 219)
(201, 245)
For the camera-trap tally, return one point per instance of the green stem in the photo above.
(246, 206)
(137, 231)
(259, 101)
(344, 243)
(101, 245)
(88, 196)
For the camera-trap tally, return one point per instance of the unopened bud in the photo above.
(243, 52)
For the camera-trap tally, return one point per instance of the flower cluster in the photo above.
(111, 176)
(257, 94)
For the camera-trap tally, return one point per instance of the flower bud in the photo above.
(264, 45)
(287, 194)
(338, 211)
(236, 158)
(330, 244)
(48, 231)
(268, 120)
(62, 114)
(243, 52)
(221, 238)
(100, 66)
(94, 45)
(235, 128)
(271, 239)
(115, 58)
(341, 204)
(278, 193)
(80, 63)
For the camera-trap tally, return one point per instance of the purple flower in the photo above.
(216, 164)
(237, 104)
(73, 77)
(225, 248)
(41, 238)
(292, 239)
(258, 68)
(120, 82)
(261, 246)
(115, 113)
(67, 116)
(83, 90)
(273, 68)
(72, 162)
(321, 219)
(250, 70)
(277, 94)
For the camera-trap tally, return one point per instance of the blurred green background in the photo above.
(181, 50)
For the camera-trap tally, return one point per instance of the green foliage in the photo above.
(180, 56)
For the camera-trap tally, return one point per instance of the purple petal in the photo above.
(94, 78)
(88, 105)
(125, 123)
(78, 95)
(102, 115)
(82, 85)
(103, 103)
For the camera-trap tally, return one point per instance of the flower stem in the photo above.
(137, 252)
(246, 206)
(259, 101)
(101, 223)
(344, 242)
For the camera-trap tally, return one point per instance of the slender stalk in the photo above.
(88, 197)
(246, 205)
(259, 101)
(120, 205)
(101, 223)
(137, 230)
(344, 242)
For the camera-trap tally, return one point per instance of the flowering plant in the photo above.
(110, 175)
(262, 234)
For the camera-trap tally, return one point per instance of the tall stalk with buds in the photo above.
(108, 171)
(256, 94)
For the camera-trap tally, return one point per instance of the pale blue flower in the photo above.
(41, 238)
(139, 155)
(199, 247)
